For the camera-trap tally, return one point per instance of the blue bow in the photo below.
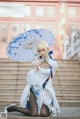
(50, 52)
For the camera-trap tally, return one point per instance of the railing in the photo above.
(72, 45)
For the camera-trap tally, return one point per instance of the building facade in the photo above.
(57, 16)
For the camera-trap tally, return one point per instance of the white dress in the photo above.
(35, 80)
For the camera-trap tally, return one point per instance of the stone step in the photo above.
(23, 81)
(14, 64)
(66, 86)
(58, 61)
(18, 94)
(62, 103)
(13, 91)
(69, 64)
(24, 72)
(58, 91)
(24, 117)
(57, 75)
(17, 82)
(14, 98)
(66, 77)
(69, 103)
(9, 68)
(10, 64)
(70, 91)
(68, 73)
(59, 96)
(55, 86)
(63, 81)
(15, 68)
(61, 65)
(5, 64)
(69, 69)
(23, 68)
(67, 61)
(65, 113)
(61, 60)
(26, 69)
(21, 89)
(24, 75)
(23, 84)
(66, 82)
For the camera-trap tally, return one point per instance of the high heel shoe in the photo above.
(10, 108)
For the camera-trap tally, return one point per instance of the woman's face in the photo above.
(43, 52)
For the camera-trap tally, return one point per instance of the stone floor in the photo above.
(66, 113)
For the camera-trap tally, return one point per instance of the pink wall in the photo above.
(61, 21)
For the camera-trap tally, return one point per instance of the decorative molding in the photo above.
(67, 1)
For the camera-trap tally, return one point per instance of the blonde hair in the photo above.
(43, 44)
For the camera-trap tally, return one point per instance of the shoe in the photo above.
(53, 112)
(10, 108)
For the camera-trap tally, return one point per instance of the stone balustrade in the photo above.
(72, 45)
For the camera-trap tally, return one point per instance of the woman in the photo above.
(38, 97)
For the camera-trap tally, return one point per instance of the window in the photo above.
(14, 10)
(27, 10)
(72, 12)
(51, 11)
(3, 32)
(40, 11)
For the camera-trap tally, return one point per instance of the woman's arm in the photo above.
(55, 67)
(54, 73)
(36, 64)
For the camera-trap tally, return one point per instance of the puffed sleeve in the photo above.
(53, 64)
(29, 76)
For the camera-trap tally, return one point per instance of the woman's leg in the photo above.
(33, 104)
(44, 111)
(33, 107)
(18, 109)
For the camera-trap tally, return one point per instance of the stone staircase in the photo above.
(66, 82)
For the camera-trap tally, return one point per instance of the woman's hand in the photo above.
(37, 64)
